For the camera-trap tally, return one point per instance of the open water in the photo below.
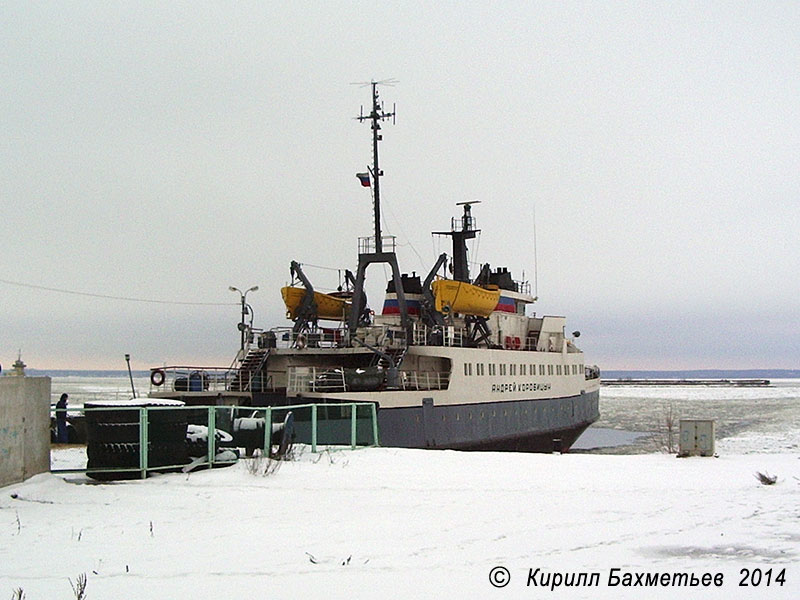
(633, 419)
(83, 388)
(747, 419)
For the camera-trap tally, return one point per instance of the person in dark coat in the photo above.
(61, 420)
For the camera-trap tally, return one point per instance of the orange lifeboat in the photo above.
(464, 298)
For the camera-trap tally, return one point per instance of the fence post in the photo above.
(313, 427)
(353, 426)
(212, 434)
(375, 425)
(143, 461)
(268, 431)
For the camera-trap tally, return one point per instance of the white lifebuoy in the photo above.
(157, 377)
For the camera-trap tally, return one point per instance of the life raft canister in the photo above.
(157, 377)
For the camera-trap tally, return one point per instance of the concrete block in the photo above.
(24, 428)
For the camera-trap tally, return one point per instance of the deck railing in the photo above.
(444, 336)
(206, 380)
(367, 245)
(424, 380)
(329, 380)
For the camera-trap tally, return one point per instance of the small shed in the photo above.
(696, 437)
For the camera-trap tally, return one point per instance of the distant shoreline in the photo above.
(83, 373)
(705, 374)
(611, 374)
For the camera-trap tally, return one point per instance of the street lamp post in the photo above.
(243, 298)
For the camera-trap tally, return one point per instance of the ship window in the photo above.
(502, 369)
(541, 369)
(522, 369)
(549, 369)
(513, 370)
(558, 369)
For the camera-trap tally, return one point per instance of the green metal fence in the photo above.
(129, 433)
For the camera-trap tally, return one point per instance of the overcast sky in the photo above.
(166, 150)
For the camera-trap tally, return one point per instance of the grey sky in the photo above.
(168, 150)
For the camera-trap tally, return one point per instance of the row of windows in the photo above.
(515, 369)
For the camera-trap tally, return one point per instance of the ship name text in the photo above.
(523, 386)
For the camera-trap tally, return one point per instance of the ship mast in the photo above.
(376, 115)
(461, 230)
(372, 250)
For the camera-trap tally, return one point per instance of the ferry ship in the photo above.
(452, 361)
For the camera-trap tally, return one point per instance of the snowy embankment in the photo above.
(388, 523)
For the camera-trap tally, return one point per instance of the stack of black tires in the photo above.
(113, 437)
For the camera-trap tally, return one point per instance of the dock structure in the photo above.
(692, 382)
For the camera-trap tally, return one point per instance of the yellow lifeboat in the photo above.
(329, 306)
(464, 298)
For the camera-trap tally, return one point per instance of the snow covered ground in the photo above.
(389, 523)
